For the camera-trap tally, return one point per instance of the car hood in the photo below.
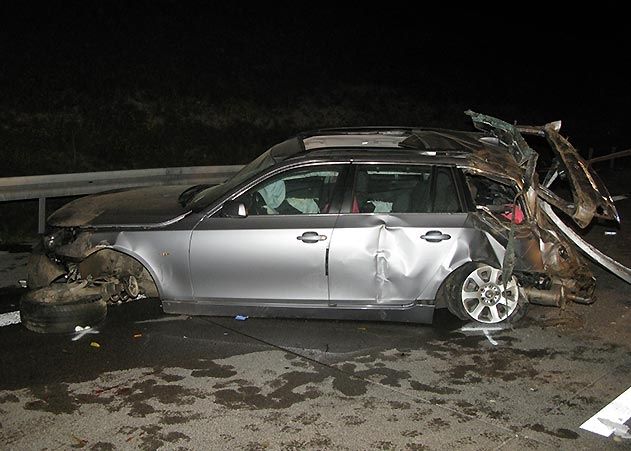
(141, 207)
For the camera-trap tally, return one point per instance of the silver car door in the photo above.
(391, 247)
(278, 252)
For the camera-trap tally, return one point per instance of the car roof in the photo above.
(391, 143)
(403, 138)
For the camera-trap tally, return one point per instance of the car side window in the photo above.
(497, 198)
(296, 192)
(445, 192)
(404, 189)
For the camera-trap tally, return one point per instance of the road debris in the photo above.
(611, 418)
(80, 332)
(241, 317)
(6, 319)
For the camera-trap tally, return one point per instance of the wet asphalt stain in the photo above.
(382, 445)
(399, 405)
(349, 382)
(411, 433)
(437, 389)
(378, 373)
(136, 397)
(467, 408)
(437, 424)
(416, 447)
(276, 418)
(53, 398)
(179, 417)
(560, 433)
(152, 437)
(307, 418)
(420, 414)
(507, 363)
(242, 394)
(350, 387)
(102, 446)
(320, 441)
(214, 370)
(352, 420)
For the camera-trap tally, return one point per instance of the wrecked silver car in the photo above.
(370, 223)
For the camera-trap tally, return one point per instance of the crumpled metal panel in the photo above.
(507, 134)
(382, 259)
(41, 271)
(591, 197)
(612, 265)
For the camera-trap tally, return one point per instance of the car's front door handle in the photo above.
(311, 237)
(434, 236)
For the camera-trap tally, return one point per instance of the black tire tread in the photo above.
(47, 317)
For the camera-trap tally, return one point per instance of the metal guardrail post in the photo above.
(41, 212)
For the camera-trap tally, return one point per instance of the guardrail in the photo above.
(62, 185)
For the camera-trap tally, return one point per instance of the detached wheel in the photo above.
(61, 307)
(476, 292)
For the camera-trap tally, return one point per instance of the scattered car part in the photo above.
(59, 307)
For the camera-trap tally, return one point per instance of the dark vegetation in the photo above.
(106, 85)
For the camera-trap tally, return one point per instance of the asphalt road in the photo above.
(177, 382)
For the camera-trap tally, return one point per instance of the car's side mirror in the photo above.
(234, 209)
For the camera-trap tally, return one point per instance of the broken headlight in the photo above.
(57, 238)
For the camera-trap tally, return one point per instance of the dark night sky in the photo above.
(544, 68)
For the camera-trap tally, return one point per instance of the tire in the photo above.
(61, 307)
(474, 292)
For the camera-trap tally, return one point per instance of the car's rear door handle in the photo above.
(434, 236)
(311, 237)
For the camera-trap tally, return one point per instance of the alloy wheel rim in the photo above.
(484, 298)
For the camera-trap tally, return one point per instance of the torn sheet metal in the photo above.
(590, 196)
(41, 271)
(507, 134)
(612, 265)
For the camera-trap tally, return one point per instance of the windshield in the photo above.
(211, 194)
(277, 153)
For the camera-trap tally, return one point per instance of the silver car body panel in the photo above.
(383, 259)
(410, 313)
(165, 255)
(273, 264)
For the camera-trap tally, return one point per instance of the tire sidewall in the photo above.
(61, 317)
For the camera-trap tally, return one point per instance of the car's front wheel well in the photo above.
(446, 287)
(110, 263)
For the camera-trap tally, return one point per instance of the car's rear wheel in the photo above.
(477, 292)
(61, 307)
